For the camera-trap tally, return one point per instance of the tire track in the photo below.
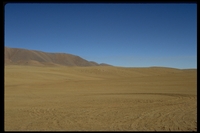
(175, 112)
(170, 116)
(160, 115)
(42, 118)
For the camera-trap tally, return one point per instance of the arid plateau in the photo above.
(99, 98)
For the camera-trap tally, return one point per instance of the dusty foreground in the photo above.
(100, 99)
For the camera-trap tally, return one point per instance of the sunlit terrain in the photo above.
(99, 98)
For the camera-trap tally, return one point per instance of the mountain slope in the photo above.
(31, 57)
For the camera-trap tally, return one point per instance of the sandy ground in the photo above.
(99, 99)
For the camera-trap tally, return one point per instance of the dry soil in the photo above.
(99, 98)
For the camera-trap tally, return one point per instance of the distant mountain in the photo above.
(19, 56)
(104, 64)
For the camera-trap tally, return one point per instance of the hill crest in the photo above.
(18, 56)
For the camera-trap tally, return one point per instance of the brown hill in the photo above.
(19, 56)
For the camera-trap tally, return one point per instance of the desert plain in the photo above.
(99, 98)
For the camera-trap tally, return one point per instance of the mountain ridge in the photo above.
(21, 56)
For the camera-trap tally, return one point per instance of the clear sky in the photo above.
(128, 35)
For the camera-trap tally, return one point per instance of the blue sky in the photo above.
(128, 35)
